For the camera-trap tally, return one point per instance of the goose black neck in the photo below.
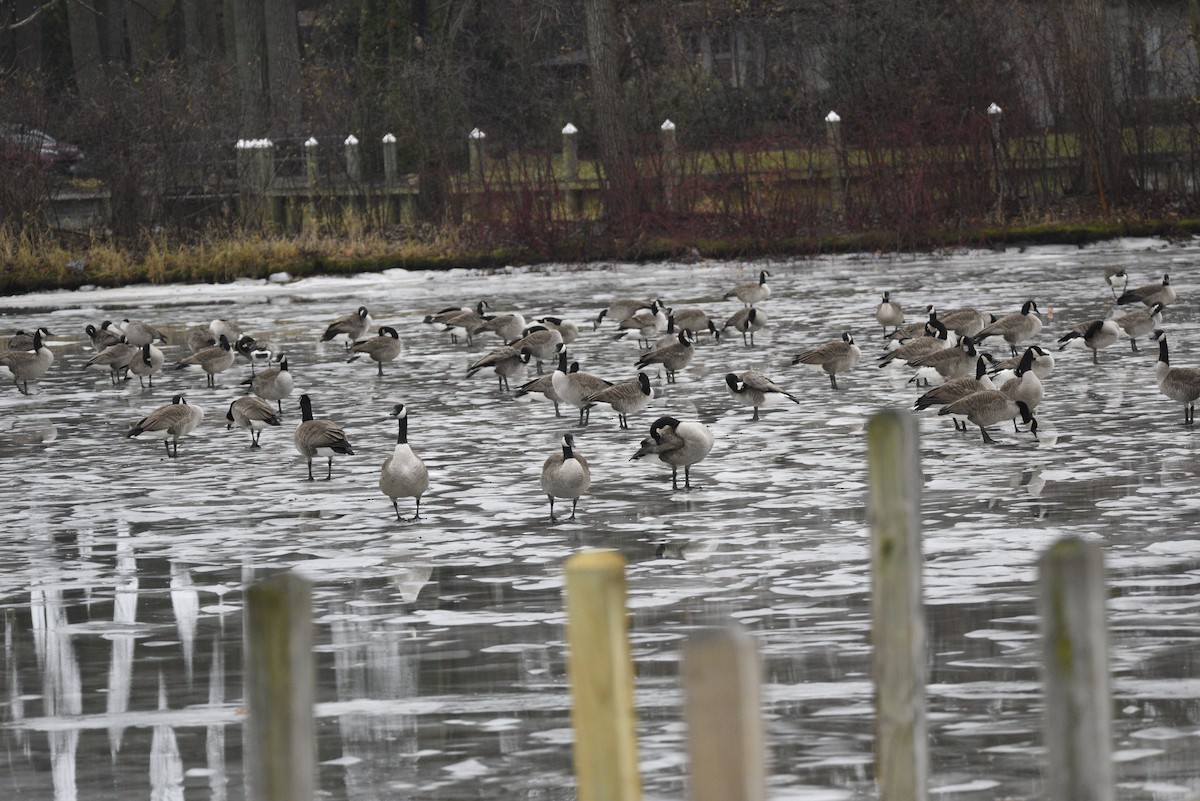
(567, 452)
(402, 434)
(305, 408)
(1162, 351)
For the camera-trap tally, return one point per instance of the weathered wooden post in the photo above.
(476, 155)
(670, 157)
(722, 677)
(390, 178)
(312, 175)
(254, 177)
(1078, 728)
(833, 136)
(897, 612)
(570, 170)
(353, 163)
(994, 113)
(280, 690)
(601, 674)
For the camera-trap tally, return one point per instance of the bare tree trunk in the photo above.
(283, 65)
(27, 40)
(85, 50)
(200, 41)
(250, 64)
(112, 30)
(605, 46)
(145, 23)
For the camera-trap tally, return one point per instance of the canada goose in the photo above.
(458, 321)
(621, 309)
(575, 388)
(945, 363)
(696, 320)
(752, 388)
(677, 444)
(543, 343)
(404, 474)
(146, 364)
(319, 438)
(956, 389)
(567, 329)
(1177, 383)
(351, 326)
(506, 361)
(1140, 322)
(889, 312)
(988, 407)
(914, 329)
(645, 322)
(746, 322)
(212, 360)
(506, 326)
(1111, 273)
(229, 328)
(275, 383)
(1001, 371)
(1025, 386)
(29, 365)
(382, 348)
(255, 351)
(20, 340)
(625, 397)
(753, 292)
(103, 336)
(117, 358)
(177, 419)
(138, 333)
(1096, 334)
(565, 475)
(935, 339)
(1150, 294)
(252, 413)
(837, 356)
(544, 385)
(673, 357)
(965, 321)
(1017, 328)
(200, 337)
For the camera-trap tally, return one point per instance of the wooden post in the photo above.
(280, 690)
(312, 174)
(570, 170)
(390, 179)
(670, 157)
(475, 156)
(833, 135)
(601, 674)
(994, 113)
(897, 614)
(353, 163)
(722, 676)
(1078, 726)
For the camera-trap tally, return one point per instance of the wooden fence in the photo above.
(721, 668)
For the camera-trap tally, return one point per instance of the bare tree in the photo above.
(283, 65)
(606, 55)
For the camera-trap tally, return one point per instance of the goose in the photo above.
(103, 336)
(199, 337)
(889, 312)
(543, 343)
(1095, 334)
(912, 330)
(956, 389)
(752, 292)
(352, 326)
(506, 361)
(575, 388)
(275, 383)
(1111, 273)
(544, 385)
(29, 365)
(1025, 386)
(567, 329)
(1177, 383)
(252, 413)
(565, 475)
(1017, 328)
(211, 361)
(319, 438)
(1140, 322)
(255, 351)
(1043, 365)
(117, 358)
(382, 348)
(965, 321)
(506, 326)
(404, 474)
(1150, 294)
(752, 388)
(946, 363)
(138, 333)
(459, 321)
(836, 356)
(229, 328)
(20, 340)
(170, 422)
(621, 309)
(624, 397)
(988, 407)
(146, 364)
(673, 357)
(696, 320)
(646, 322)
(935, 339)
(677, 444)
(746, 322)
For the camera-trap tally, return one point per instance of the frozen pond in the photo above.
(441, 657)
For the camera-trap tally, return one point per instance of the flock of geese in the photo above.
(942, 350)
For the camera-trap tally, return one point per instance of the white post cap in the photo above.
(994, 109)
(832, 117)
(570, 129)
(667, 125)
(388, 139)
(310, 141)
(477, 134)
(352, 139)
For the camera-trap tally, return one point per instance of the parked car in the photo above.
(21, 144)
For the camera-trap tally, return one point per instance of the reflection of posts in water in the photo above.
(897, 616)
(1077, 728)
(601, 674)
(722, 676)
(280, 690)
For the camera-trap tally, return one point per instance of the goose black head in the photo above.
(362, 313)
(762, 277)
(1028, 306)
(847, 338)
(398, 410)
(224, 342)
(388, 331)
(656, 428)
(644, 383)
(733, 382)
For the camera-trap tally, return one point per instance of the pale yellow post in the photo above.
(897, 612)
(601, 674)
(722, 678)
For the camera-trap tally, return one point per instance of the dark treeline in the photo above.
(1097, 102)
